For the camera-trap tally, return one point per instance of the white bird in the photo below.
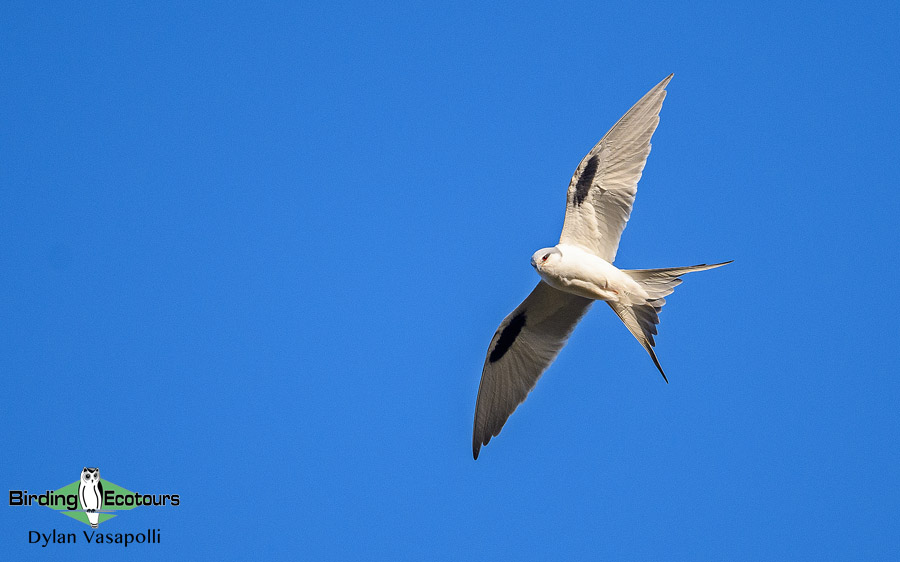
(579, 270)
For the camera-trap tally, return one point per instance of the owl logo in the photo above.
(90, 494)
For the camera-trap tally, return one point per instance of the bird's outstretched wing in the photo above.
(603, 187)
(525, 344)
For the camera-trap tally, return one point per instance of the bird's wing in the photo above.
(525, 344)
(603, 187)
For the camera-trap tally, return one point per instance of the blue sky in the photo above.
(254, 255)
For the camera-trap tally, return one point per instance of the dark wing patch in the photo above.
(585, 180)
(507, 337)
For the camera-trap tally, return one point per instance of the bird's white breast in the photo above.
(582, 273)
(90, 496)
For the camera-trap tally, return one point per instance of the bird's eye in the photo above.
(543, 259)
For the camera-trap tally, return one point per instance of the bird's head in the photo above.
(90, 474)
(545, 257)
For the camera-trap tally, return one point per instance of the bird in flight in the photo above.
(579, 270)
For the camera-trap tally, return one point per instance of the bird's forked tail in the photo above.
(641, 319)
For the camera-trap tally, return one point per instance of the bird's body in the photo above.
(90, 494)
(576, 271)
(579, 270)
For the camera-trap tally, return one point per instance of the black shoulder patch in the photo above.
(507, 337)
(583, 187)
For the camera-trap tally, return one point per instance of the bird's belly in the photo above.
(582, 288)
(91, 499)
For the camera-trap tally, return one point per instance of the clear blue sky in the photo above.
(254, 255)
